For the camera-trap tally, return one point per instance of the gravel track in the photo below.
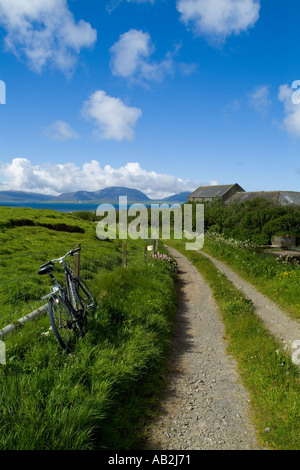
(280, 325)
(205, 406)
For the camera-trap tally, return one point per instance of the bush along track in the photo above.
(97, 396)
(268, 373)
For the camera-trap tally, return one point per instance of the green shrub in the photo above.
(287, 224)
(257, 220)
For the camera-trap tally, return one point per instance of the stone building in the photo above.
(234, 193)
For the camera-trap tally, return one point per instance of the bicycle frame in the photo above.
(67, 305)
(57, 288)
(71, 294)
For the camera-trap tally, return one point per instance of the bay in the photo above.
(60, 207)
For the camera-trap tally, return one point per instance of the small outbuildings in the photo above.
(230, 193)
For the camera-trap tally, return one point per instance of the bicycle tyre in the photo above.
(84, 295)
(64, 322)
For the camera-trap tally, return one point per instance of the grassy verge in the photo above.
(278, 280)
(267, 371)
(97, 396)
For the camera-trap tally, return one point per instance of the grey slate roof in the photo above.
(248, 196)
(289, 198)
(212, 191)
(282, 198)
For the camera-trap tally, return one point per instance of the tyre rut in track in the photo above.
(285, 329)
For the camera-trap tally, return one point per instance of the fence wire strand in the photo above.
(21, 288)
(20, 295)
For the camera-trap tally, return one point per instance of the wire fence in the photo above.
(21, 288)
(21, 294)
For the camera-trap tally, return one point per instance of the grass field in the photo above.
(29, 238)
(98, 395)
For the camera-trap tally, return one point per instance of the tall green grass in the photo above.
(97, 396)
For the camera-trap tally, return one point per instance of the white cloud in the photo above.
(113, 119)
(129, 52)
(60, 130)
(187, 69)
(44, 32)
(259, 99)
(21, 175)
(219, 18)
(230, 108)
(130, 58)
(292, 120)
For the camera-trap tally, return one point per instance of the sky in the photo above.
(158, 95)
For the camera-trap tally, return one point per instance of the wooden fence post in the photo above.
(76, 262)
(145, 251)
(125, 254)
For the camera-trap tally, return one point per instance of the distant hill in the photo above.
(108, 195)
(112, 195)
(104, 195)
(181, 197)
(23, 196)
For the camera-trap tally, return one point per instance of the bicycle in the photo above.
(67, 310)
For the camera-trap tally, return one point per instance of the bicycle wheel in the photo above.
(64, 322)
(85, 298)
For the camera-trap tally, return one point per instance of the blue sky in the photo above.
(158, 95)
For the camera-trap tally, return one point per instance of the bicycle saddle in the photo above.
(45, 270)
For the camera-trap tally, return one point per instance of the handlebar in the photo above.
(60, 260)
